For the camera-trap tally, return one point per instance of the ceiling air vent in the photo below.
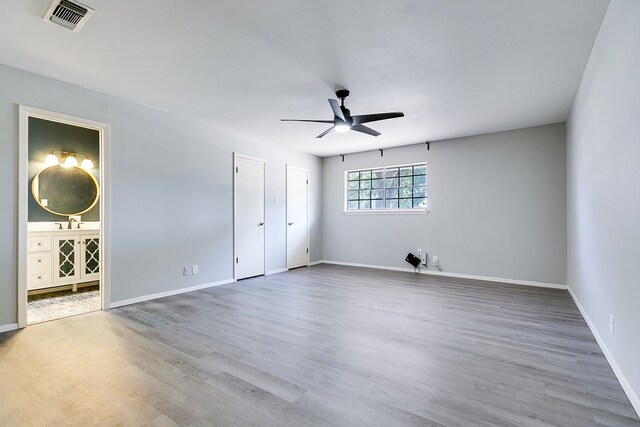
(69, 14)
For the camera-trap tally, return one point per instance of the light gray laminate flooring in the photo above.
(325, 345)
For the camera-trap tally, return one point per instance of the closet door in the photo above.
(297, 217)
(249, 224)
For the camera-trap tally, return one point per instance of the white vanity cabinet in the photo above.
(63, 257)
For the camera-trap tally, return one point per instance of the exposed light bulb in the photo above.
(70, 161)
(341, 128)
(51, 160)
(86, 164)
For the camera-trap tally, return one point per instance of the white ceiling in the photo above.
(454, 67)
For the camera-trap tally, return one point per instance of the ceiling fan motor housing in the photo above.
(342, 94)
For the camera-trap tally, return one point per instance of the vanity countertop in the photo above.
(51, 226)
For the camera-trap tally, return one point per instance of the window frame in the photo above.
(384, 210)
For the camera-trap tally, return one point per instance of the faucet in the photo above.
(69, 227)
(59, 224)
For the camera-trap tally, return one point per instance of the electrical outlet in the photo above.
(435, 259)
(420, 253)
(611, 324)
(185, 271)
(194, 269)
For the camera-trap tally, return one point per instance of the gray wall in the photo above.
(44, 136)
(496, 207)
(603, 187)
(175, 170)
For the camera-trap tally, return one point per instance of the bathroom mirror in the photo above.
(65, 190)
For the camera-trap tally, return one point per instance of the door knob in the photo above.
(290, 223)
(260, 224)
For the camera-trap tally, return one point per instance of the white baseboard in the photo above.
(276, 271)
(168, 293)
(317, 262)
(8, 327)
(455, 275)
(633, 397)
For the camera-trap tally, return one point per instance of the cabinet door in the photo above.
(90, 264)
(66, 256)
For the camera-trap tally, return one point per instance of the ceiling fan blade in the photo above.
(325, 132)
(309, 121)
(364, 129)
(366, 118)
(337, 111)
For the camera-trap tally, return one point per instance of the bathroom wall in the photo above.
(44, 136)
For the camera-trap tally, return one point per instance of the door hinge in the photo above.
(236, 260)
(236, 169)
(307, 182)
(307, 250)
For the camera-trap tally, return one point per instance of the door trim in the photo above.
(286, 215)
(23, 196)
(264, 207)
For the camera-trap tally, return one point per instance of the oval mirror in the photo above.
(65, 190)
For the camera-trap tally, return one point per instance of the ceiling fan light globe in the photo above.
(341, 128)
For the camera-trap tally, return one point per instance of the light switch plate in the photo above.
(185, 271)
(194, 269)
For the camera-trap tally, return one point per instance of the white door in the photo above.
(249, 217)
(297, 217)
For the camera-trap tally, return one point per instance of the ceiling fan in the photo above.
(343, 121)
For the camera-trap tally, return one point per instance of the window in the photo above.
(394, 188)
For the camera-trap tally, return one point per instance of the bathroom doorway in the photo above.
(61, 217)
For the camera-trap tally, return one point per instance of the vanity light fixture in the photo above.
(67, 159)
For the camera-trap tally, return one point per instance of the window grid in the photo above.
(391, 188)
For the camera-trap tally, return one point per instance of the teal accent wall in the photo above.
(46, 135)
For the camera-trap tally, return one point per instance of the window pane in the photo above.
(365, 194)
(392, 193)
(377, 194)
(407, 171)
(419, 191)
(352, 205)
(377, 174)
(353, 175)
(405, 204)
(420, 203)
(354, 185)
(419, 170)
(392, 204)
(420, 180)
(392, 172)
(405, 192)
(405, 181)
(376, 183)
(365, 204)
(391, 182)
(377, 204)
(365, 185)
(353, 195)
(365, 175)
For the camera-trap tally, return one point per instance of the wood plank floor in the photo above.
(325, 345)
